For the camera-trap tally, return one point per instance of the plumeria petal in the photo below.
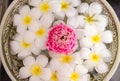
(88, 65)
(60, 15)
(83, 8)
(85, 53)
(63, 78)
(71, 12)
(33, 78)
(42, 60)
(24, 10)
(101, 22)
(21, 30)
(24, 72)
(46, 74)
(81, 69)
(15, 47)
(47, 20)
(75, 3)
(23, 54)
(85, 42)
(17, 20)
(34, 26)
(28, 61)
(99, 47)
(85, 77)
(101, 68)
(41, 43)
(107, 36)
(35, 13)
(35, 50)
(79, 33)
(58, 22)
(34, 2)
(95, 8)
(76, 21)
(18, 37)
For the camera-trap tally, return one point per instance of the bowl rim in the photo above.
(104, 2)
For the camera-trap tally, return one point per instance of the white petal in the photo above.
(21, 30)
(17, 20)
(34, 26)
(35, 50)
(24, 10)
(63, 78)
(54, 55)
(18, 37)
(56, 6)
(46, 74)
(101, 68)
(33, 78)
(34, 2)
(85, 42)
(107, 36)
(99, 47)
(75, 3)
(24, 72)
(76, 58)
(81, 69)
(88, 65)
(60, 15)
(41, 44)
(79, 33)
(29, 36)
(85, 77)
(28, 61)
(71, 12)
(47, 20)
(23, 54)
(101, 22)
(76, 21)
(15, 47)
(55, 64)
(58, 22)
(83, 8)
(42, 60)
(35, 13)
(95, 8)
(85, 53)
(90, 30)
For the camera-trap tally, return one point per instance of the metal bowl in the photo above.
(12, 64)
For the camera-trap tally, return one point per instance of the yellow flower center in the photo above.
(96, 39)
(40, 32)
(65, 5)
(54, 76)
(25, 45)
(89, 19)
(36, 70)
(66, 59)
(95, 58)
(45, 7)
(74, 76)
(27, 20)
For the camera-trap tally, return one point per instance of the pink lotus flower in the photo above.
(61, 39)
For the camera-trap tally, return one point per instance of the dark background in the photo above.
(116, 6)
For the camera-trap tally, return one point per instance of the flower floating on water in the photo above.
(93, 37)
(24, 45)
(63, 61)
(61, 39)
(66, 7)
(35, 69)
(96, 58)
(25, 18)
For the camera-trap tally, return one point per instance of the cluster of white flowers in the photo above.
(32, 25)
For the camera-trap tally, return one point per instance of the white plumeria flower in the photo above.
(63, 61)
(25, 18)
(66, 7)
(40, 31)
(90, 15)
(93, 37)
(96, 58)
(23, 45)
(45, 7)
(35, 68)
(79, 73)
